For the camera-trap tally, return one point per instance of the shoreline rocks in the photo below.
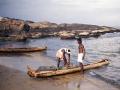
(14, 27)
(13, 38)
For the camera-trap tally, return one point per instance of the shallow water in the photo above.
(106, 46)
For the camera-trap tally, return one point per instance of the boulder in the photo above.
(84, 34)
(66, 35)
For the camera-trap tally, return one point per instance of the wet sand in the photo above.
(11, 79)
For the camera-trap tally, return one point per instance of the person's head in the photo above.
(79, 39)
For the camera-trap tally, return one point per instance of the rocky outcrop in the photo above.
(87, 33)
(76, 26)
(12, 29)
(15, 27)
(9, 26)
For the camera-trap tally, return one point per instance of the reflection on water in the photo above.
(106, 46)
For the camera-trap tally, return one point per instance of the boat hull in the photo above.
(34, 73)
(22, 50)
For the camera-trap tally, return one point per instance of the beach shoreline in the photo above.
(17, 80)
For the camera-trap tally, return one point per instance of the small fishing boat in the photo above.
(22, 50)
(55, 72)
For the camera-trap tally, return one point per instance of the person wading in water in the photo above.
(81, 53)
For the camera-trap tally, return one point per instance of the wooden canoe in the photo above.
(22, 50)
(35, 73)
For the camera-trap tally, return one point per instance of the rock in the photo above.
(1, 18)
(66, 35)
(11, 26)
(76, 26)
(84, 34)
(39, 25)
(13, 38)
(40, 35)
(36, 35)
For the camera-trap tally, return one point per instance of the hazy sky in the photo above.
(100, 12)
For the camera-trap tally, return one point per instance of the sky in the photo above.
(97, 12)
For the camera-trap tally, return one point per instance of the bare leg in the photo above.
(68, 63)
(65, 62)
(58, 63)
(82, 69)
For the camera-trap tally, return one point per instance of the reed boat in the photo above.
(22, 50)
(55, 72)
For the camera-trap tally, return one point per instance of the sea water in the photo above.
(106, 46)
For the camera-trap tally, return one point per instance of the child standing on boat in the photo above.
(63, 54)
(81, 52)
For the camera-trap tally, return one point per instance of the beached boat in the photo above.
(55, 72)
(22, 50)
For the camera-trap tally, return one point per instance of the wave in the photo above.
(107, 79)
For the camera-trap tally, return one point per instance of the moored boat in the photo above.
(22, 50)
(55, 72)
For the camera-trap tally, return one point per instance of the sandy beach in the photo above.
(16, 80)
